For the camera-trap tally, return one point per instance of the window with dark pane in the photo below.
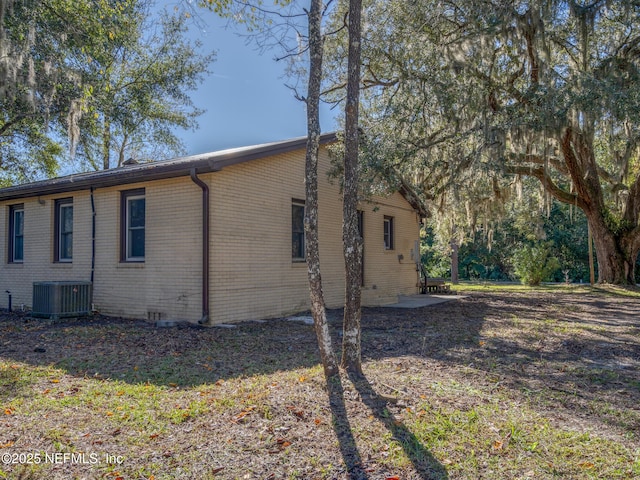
(63, 230)
(133, 225)
(16, 233)
(388, 233)
(297, 231)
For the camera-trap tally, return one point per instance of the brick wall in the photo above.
(38, 264)
(252, 273)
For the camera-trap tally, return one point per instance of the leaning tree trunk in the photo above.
(616, 253)
(318, 309)
(616, 247)
(352, 243)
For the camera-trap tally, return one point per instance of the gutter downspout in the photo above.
(205, 246)
(93, 243)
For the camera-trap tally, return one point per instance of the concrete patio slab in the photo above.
(418, 301)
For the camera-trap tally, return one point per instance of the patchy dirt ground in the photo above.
(494, 385)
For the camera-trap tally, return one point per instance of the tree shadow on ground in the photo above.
(344, 433)
(585, 351)
(138, 352)
(423, 461)
(186, 356)
(565, 352)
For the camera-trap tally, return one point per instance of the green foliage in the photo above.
(533, 263)
(67, 67)
(27, 153)
(478, 261)
(28, 87)
(45, 46)
(488, 253)
(616, 224)
(568, 234)
(463, 95)
(138, 93)
(433, 257)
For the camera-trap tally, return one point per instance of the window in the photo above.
(63, 240)
(132, 225)
(297, 231)
(388, 233)
(16, 233)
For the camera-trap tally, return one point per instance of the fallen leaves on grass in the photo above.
(501, 444)
(243, 413)
(283, 443)
(298, 412)
(272, 417)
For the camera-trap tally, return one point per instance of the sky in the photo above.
(245, 97)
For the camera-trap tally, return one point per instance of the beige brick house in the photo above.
(137, 234)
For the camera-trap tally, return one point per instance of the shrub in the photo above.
(534, 263)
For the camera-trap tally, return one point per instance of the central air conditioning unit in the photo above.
(61, 299)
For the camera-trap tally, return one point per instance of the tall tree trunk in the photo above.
(352, 243)
(106, 145)
(592, 267)
(616, 253)
(318, 309)
(122, 149)
(616, 247)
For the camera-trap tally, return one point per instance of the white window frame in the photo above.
(126, 244)
(298, 204)
(62, 205)
(15, 210)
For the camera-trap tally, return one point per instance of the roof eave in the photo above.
(203, 163)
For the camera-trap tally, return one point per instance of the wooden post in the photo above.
(454, 261)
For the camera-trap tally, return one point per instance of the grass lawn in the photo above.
(505, 383)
